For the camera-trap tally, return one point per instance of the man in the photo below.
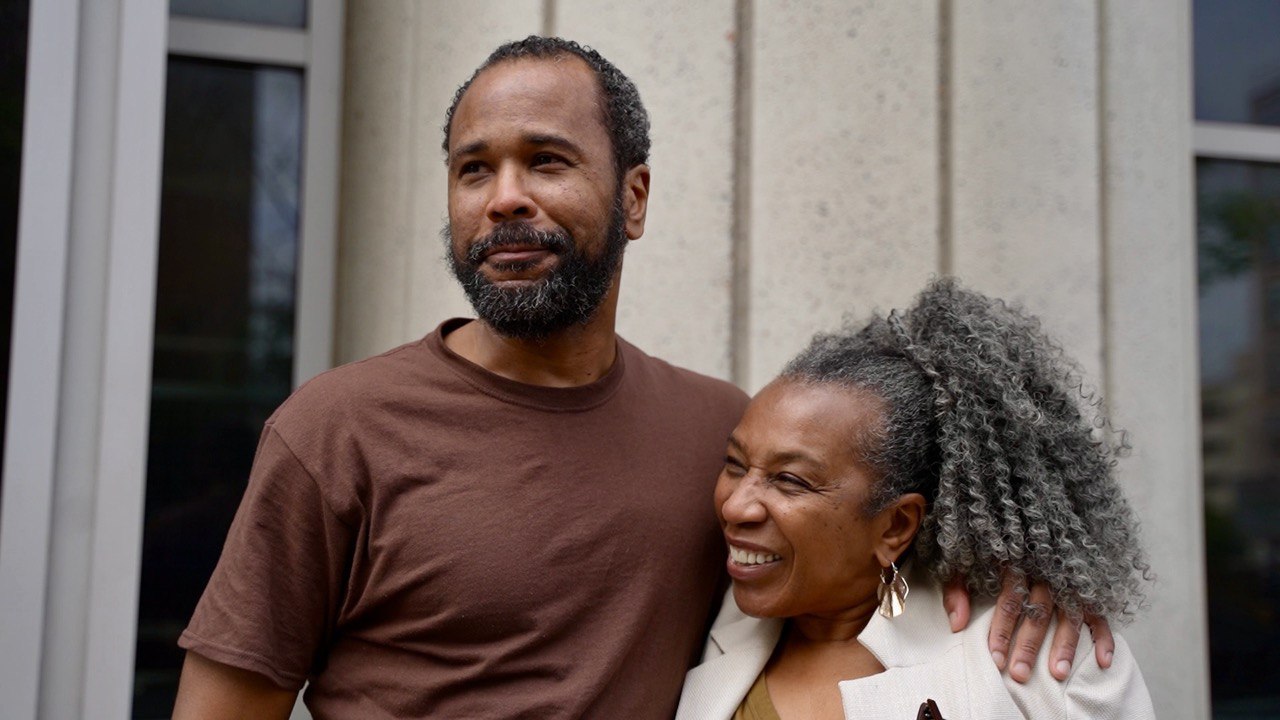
(511, 517)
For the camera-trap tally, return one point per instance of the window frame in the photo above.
(1236, 141)
(118, 175)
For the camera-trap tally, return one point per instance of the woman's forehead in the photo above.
(818, 419)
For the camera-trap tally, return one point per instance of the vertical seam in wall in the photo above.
(548, 18)
(407, 215)
(1104, 249)
(946, 260)
(740, 222)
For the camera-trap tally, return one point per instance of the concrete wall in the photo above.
(813, 159)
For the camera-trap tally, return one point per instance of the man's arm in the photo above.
(1019, 651)
(210, 690)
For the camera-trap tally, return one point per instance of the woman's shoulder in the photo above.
(925, 660)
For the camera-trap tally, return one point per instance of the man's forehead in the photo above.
(528, 87)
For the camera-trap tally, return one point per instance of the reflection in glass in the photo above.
(1237, 61)
(286, 13)
(13, 81)
(1239, 214)
(223, 333)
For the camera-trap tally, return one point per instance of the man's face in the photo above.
(538, 219)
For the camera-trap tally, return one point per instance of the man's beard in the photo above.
(570, 293)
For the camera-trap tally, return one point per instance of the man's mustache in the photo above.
(558, 242)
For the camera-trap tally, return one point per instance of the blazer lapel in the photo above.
(714, 689)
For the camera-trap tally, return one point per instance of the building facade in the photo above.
(811, 161)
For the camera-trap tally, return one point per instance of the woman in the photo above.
(948, 441)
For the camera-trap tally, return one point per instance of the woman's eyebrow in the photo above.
(782, 457)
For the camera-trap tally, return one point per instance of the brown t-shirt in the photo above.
(423, 538)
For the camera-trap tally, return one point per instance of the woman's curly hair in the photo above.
(987, 418)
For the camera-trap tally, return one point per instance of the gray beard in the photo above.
(570, 294)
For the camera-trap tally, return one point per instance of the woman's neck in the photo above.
(842, 626)
(815, 654)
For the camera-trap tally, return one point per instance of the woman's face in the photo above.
(791, 501)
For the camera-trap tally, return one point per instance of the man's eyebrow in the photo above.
(471, 147)
(477, 146)
(553, 141)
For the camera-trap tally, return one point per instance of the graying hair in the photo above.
(987, 418)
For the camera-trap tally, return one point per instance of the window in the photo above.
(1237, 136)
(13, 78)
(284, 13)
(249, 151)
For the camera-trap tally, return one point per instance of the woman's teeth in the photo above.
(745, 557)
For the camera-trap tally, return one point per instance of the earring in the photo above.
(892, 592)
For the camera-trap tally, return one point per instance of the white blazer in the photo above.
(922, 659)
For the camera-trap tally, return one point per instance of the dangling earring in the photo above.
(892, 592)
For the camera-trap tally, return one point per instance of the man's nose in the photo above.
(510, 199)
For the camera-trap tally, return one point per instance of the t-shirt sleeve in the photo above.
(276, 592)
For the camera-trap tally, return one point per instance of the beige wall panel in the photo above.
(844, 167)
(1151, 332)
(1024, 167)
(374, 222)
(405, 60)
(677, 294)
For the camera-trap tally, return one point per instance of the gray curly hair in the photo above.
(986, 417)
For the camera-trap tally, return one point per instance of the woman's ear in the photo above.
(898, 525)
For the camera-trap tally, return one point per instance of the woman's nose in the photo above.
(743, 505)
(510, 199)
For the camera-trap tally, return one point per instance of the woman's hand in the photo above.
(1030, 634)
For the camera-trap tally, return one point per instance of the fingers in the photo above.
(1031, 633)
(1062, 652)
(955, 598)
(1104, 644)
(1008, 610)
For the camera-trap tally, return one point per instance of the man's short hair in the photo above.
(623, 114)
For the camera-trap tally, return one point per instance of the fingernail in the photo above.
(954, 617)
(1063, 667)
(1021, 670)
(1108, 656)
(999, 658)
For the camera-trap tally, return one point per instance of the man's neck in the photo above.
(578, 355)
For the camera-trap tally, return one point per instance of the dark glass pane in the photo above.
(223, 333)
(1237, 61)
(287, 13)
(13, 80)
(1239, 215)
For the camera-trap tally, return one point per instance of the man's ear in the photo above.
(635, 200)
(897, 526)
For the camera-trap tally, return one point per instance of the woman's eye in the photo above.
(792, 481)
(733, 467)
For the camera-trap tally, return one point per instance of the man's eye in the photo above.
(546, 159)
(467, 168)
(733, 467)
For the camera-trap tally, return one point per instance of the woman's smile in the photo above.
(746, 564)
